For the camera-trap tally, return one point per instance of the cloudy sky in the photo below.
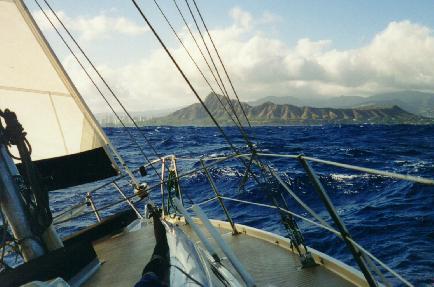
(270, 48)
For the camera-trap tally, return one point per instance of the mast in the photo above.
(13, 208)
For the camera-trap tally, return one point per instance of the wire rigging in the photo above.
(263, 166)
(197, 45)
(244, 134)
(103, 80)
(194, 61)
(228, 100)
(225, 93)
(221, 62)
(94, 83)
(238, 125)
(231, 145)
(248, 168)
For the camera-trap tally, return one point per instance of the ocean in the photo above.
(393, 219)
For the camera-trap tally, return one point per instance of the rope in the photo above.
(35, 196)
(244, 134)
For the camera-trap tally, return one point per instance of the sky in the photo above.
(270, 48)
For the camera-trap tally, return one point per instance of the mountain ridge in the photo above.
(269, 113)
(419, 103)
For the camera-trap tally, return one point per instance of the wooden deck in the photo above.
(270, 262)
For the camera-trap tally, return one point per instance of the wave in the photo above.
(385, 215)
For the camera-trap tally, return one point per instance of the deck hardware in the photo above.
(246, 173)
(92, 205)
(196, 230)
(142, 171)
(14, 206)
(141, 190)
(248, 279)
(297, 240)
(358, 256)
(176, 178)
(118, 188)
(163, 208)
(172, 186)
(218, 195)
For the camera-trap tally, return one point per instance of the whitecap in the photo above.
(343, 177)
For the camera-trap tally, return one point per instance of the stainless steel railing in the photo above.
(207, 162)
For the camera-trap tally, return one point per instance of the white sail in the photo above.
(35, 86)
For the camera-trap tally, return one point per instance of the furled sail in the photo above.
(68, 145)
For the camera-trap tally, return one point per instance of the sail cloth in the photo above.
(63, 133)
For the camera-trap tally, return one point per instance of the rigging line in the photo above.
(192, 59)
(241, 128)
(182, 175)
(239, 125)
(254, 136)
(104, 207)
(213, 63)
(229, 101)
(91, 79)
(221, 62)
(330, 229)
(190, 85)
(104, 81)
(197, 45)
(114, 95)
(197, 66)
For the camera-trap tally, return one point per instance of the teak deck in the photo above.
(266, 256)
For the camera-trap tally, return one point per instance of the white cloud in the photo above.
(99, 26)
(270, 18)
(241, 17)
(397, 58)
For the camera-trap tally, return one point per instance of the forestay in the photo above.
(35, 86)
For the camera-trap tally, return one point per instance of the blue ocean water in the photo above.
(393, 219)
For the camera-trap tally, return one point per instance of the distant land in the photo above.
(109, 119)
(271, 113)
(410, 107)
(415, 102)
